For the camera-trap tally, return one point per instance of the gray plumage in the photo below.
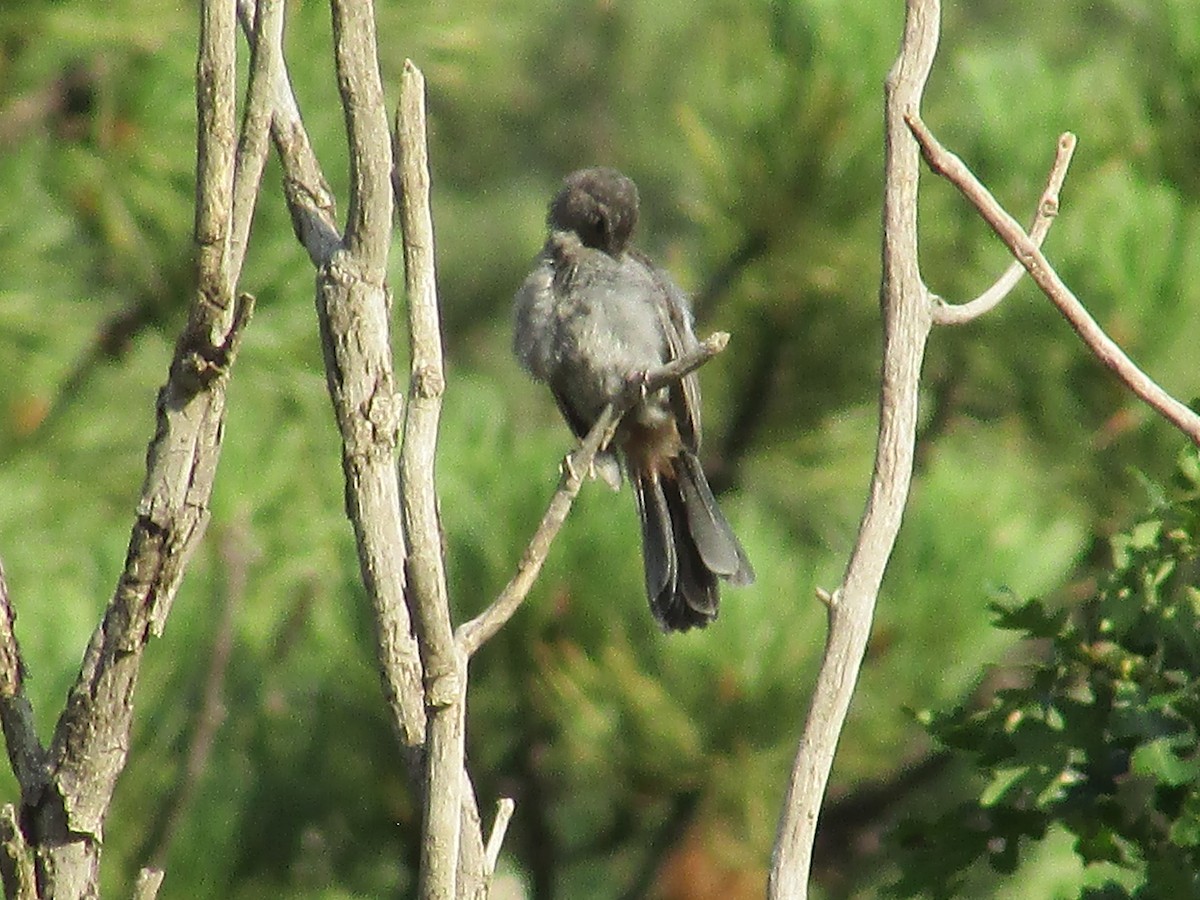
(593, 312)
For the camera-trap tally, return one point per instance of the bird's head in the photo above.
(599, 205)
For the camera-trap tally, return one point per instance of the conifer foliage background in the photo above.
(639, 763)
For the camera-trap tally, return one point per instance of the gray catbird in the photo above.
(593, 313)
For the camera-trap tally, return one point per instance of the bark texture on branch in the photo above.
(907, 319)
(445, 666)
(67, 801)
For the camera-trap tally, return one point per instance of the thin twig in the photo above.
(1047, 209)
(504, 811)
(148, 882)
(949, 166)
(266, 60)
(473, 634)
(309, 198)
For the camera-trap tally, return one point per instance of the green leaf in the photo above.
(1099, 844)
(1003, 782)
(1157, 759)
(1031, 617)
(1185, 831)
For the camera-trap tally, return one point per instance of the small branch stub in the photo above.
(504, 811)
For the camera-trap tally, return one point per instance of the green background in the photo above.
(642, 764)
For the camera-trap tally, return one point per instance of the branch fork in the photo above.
(910, 310)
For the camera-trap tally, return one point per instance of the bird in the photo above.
(593, 313)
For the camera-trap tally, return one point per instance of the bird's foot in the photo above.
(636, 382)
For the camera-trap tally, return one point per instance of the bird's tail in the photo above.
(687, 545)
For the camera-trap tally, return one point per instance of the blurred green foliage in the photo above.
(641, 765)
(1100, 737)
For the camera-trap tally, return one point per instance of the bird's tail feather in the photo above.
(687, 544)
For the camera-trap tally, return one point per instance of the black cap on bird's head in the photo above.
(599, 205)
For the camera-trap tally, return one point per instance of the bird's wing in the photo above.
(675, 319)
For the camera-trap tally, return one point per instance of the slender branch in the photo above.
(1047, 210)
(216, 142)
(907, 314)
(25, 751)
(309, 198)
(949, 166)
(266, 61)
(475, 633)
(428, 379)
(369, 219)
(504, 811)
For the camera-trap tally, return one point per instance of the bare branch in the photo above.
(266, 61)
(907, 314)
(25, 750)
(309, 199)
(957, 314)
(355, 336)
(369, 220)
(473, 634)
(16, 858)
(504, 811)
(353, 312)
(91, 738)
(216, 107)
(949, 166)
(428, 379)
(445, 667)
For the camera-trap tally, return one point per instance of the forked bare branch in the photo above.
(1047, 210)
(1030, 257)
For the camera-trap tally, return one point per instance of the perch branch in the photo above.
(473, 634)
(907, 319)
(949, 166)
(1047, 209)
